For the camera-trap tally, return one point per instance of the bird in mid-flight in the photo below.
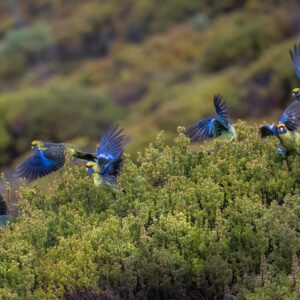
(48, 158)
(295, 56)
(287, 130)
(213, 127)
(109, 156)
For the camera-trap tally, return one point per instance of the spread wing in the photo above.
(295, 56)
(39, 165)
(203, 129)
(111, 142)
(110, 150)
(115, 167)
(210, 127)
(221, 109)
(291, 116)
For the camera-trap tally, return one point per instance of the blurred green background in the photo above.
(68, 67)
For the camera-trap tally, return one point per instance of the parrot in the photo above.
(213, 127)
(295, 57)
(109, 157)
(48, 158)
(287, 130)
(4, 216)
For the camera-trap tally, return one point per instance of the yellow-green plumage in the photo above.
(290, 140)
(96, 173)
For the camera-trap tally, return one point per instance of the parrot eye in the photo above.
(281, 128)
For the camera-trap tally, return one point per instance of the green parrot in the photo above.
(48, 158)
(287, 130)
(109, 157)
(295, 57)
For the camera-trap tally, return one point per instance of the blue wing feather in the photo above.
(295, 56)
(38, 165)
(268, 130)
(202, 130)
(111, 143)
(291, 116)
(211, 127)
(110, 151)
(221, 109)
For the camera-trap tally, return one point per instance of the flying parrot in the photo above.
(213, 127)
(295, 56)
(287, 130)
(109, 155)
(48, 158)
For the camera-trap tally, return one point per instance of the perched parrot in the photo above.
(295, 56)
(48, 158)
(213, 127)
(287, 130)
(4, 216)
(109, 157)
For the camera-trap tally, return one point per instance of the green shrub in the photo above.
(18, 44)
(222, 221)
(161, 14)
(239, 40)
(26, 40)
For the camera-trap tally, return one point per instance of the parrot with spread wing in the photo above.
(213, 127)
(295, 56)
(287, 130)
(48, 158)
(109, 157)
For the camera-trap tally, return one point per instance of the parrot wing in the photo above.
(111, 142)
(295, 56)
(205, 129)
(291, 116)
(221, 109)
(39, 165)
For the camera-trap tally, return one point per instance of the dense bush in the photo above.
(211, 224)
(240, 40)
(26, 40)
(22, 46)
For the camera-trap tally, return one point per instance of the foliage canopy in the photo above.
(213, 223)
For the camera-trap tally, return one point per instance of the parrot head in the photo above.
(90, 167)
(296, 93)
(37, 145)
(281, 129)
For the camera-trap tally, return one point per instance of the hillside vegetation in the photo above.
(150, 65)
(218, 223)
(212, 221)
